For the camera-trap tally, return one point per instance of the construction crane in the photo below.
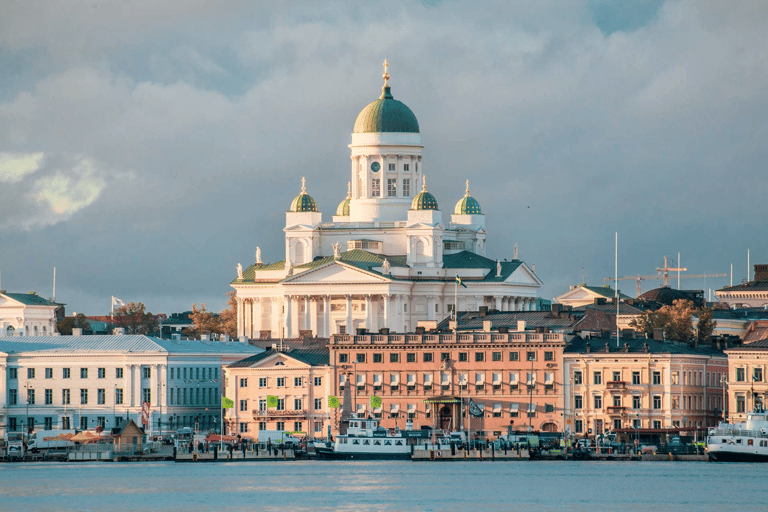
(663, 273)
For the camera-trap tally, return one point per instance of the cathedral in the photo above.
(388, 261)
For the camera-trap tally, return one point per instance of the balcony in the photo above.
(616, 409)
(260, 415)
(616, 384)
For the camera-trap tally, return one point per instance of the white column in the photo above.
(137, 387)
(399, 313)
(256, 318)
(387, 318)
(240, 330)
(498, 302)
(288, 317)
(296, 308)
(313, 306)
(368, 314)
(307, 313)
(350, 325)
(327, 316)
(430, 307)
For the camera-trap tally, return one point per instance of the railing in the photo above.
(393, 339)
(726, 432)
(615, 409)
(616, 384)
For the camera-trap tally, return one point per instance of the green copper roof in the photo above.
(386, 115)
(343, 209)
(303, 202)
(424, 201)
(467, 205)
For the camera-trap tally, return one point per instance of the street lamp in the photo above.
(114, 406)
(26, 386)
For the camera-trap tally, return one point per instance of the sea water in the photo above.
(368, 486)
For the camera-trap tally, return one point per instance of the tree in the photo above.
(228, 317)
(66, 325)
(705, 326)
(676, 320)
(134, 318)
(204, 321)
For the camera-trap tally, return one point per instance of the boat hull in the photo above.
(731, 456)
(330, 454)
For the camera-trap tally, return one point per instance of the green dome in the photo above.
(386, 115)
(303, 202)
(467, 205)
(343, 209)
(424, 200)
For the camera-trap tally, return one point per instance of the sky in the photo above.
(148, 147)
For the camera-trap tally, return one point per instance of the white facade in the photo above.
(85, 381)
(27, 314)
(389, 258)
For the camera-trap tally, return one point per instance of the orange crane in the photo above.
(663, 273)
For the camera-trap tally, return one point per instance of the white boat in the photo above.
(740, 442)
(366, 440)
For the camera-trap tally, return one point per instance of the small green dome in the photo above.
(343, 209)
(303, 202)
(424, 200)
(467, 205)
(386, 115)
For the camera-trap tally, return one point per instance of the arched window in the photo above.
(419, 251)
(299, 253)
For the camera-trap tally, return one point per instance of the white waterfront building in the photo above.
(61, 382)
(27, 314)
(388, 259)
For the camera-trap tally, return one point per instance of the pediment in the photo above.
(336, 272)
(279, 361)
(299, 227)
(523, 276)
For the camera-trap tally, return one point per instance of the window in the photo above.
(410, 357)
(740, 403)
(549, 356)
(496, 356)
(13, 397)
(30, 373)
(657, 424)
(360, 357)
(48, 397)
(244, 383)
(318, 381)
(118, 373)
(102, 373)
(49, 373)
(578, 426)
(101, 396)
(479, 356)
(65, 373)
(463, 357)
(578, 402)
(530, 356)
(375, 187)
(445, 356)
(675, 402)
(146, 395)
(244, 405)
(83, 373)
(297, 382)
(549, 407)
(392, 167)
(598, 402)
(118, 396)
(243, 426)
(635, 377)
(636, 402)
(280, 405)
(740, 375)
(616, 401)
(616, 376)
(83, 422)
(657, 401)
(318, 404)
(406, 187)
(427, 357)
(392, 187)
(657, 377)
(598, 378)
(297, 426)
(406, 167)
(616, 423)
(297, 405)
(83, 396)
(262, 404)
(394, 357)
(281, 382)
(48, 423)
(343, 357)
(577, 378)
(262, 425)
(378, 357)
(757, 375)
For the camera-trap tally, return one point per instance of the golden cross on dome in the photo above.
(303, 185)
(467, 187)
(423, 182)
(385, 76)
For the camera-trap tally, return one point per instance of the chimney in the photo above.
(77, 331)
(761, 273)
(556, 309)
(487, 324)
(646, 348)
(119, 331)
(588, 348)
(658, 334)
(483, 310)
(521, 325)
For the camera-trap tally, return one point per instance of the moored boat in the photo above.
(367, 440)
(740, 442)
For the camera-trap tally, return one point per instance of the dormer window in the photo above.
(367, 245)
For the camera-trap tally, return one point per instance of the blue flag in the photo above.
(458, 280)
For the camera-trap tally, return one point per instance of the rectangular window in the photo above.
(13, 373)
(48, 397)
(101, 396)
(392, 187)
(119, 396)
(657, 401)
(463, 357)
(636, 402)
(392, 167)
(598, 402)
(262, 382)
(102, 373)
(262, 404)
(616, 376)
(297, 404)
(394, 357)
(578, 402)
(243, 426)
(657, 424)
(83, 373)
(30, 373)
(479, 356)
(427, 357)
(318, 381)
(83, 422)
(343, 357)
(406, 187)
(297, 426)
(740, 373)
(318, 426)
(48, 423)
(616, 401)
(375, 187)
(445, 356)
(577, 378)
(318, 404)
(410, 357)
(280, 404)
(360, 357)
(262, 425)
(377, 357)
(281, 382)
(243, 405)
(530, 356)
(146, 395)
(243, 383)
(297, 382)
(31, 396)
(549, 356)
(514, 356)
(598, 378)
(657, 377)
(83, 396)
(578, 426)
(65, 373)
(49, 373)
(118, 373)
(757, 375)
(496, 356)
(740, 403)
(635, 377)
(549, 407)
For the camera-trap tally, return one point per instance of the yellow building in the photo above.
(747, 386)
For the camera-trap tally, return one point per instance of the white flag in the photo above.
(117, 302)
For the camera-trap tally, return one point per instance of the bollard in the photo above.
(194, 457)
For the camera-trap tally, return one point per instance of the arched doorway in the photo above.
(446, 418)
(549, 427)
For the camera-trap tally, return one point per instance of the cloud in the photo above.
(14, 166)
(67, 194)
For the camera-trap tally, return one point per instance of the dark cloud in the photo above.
(573, 120)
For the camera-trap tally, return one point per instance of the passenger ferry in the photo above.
(367, 440)
(740, 442)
